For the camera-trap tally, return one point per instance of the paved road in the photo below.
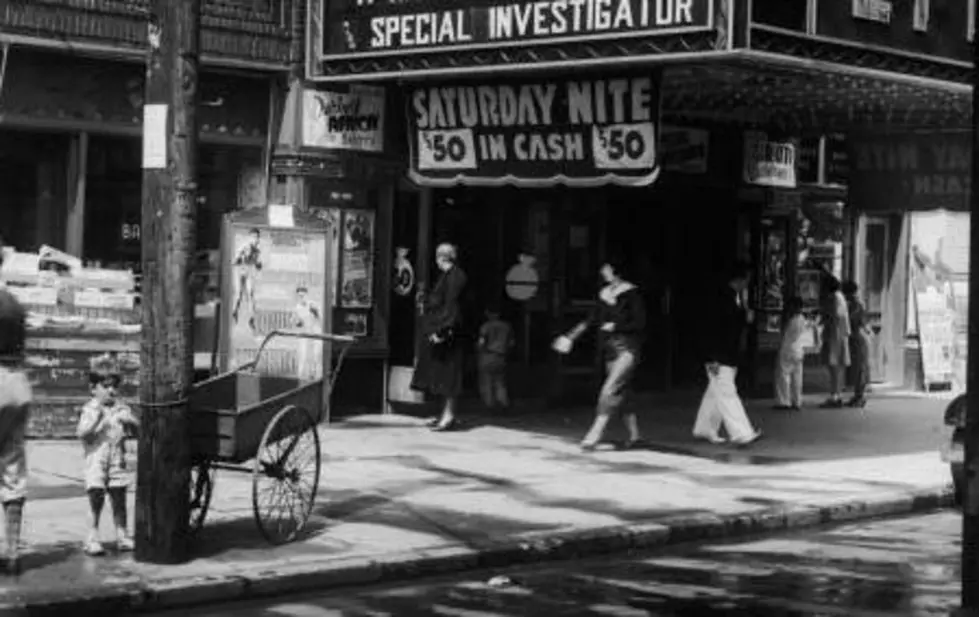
(906, 566)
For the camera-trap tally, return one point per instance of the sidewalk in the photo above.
(397, 500)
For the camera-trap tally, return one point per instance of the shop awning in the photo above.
(800, 95)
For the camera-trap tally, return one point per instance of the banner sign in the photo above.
(390, 27)
(583, 132)
(911, 171)
(352, 120)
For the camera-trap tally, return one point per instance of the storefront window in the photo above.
(113, 209)
(32, 189)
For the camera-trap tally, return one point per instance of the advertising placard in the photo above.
(768, 163)
(684, 150)
(578, 132)
(352, 120)
(359, 28)
(911, 171)
(275, 280)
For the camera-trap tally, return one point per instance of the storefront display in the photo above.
(75, 315)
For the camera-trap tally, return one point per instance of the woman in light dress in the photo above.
(836, 340)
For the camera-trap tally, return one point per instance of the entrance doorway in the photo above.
(676, 252)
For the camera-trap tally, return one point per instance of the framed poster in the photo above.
(357, 269)
(274, 278)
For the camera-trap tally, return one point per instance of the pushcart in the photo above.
(248, 422)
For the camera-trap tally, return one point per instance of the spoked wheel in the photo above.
(286, 474)
(201, 489)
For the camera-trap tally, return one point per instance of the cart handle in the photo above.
(322, 336)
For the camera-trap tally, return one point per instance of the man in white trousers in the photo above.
(721, 405)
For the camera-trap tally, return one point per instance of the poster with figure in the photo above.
(276, 279)
(357, 280)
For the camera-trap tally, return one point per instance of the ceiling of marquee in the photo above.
(806, 98)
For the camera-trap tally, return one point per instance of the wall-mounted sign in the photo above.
(522, 279)
(391, 27)
(352, 120)
(768, 163)
(936, 28)
(582, 132)
(684, 150)
(873, 10)
(913, 171)
(404, 272)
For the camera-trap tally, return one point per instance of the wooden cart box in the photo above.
(231, 412)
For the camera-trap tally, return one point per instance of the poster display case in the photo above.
(353, 231)
(276, 275)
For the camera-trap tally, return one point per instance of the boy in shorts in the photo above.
(15, 401)
(103, 427)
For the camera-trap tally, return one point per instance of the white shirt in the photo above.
(793, 339)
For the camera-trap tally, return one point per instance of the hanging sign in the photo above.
(768, 163)
(354, 28)
(522, 279)
(586, 132)
(352, 120)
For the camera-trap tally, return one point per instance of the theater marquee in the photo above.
(349, 30)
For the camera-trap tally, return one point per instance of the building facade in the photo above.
(681, 133)
(71, 92)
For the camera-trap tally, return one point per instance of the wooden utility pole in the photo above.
(168, 228)
(970, 509)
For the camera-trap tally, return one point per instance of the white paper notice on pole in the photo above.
(155, 136)
(281, 215)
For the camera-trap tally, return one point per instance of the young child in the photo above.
(791, 356)
(15, 401)
(102, 429)
(495, 342)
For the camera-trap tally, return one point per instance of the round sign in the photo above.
(522, 280)
(404, 273)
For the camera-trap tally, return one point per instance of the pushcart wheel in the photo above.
(201, 489)
(286, 474)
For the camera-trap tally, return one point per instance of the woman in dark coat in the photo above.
(438, 371)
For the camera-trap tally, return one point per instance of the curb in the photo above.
(182, 592)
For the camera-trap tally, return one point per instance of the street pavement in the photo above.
(905, 566)
(398, 500)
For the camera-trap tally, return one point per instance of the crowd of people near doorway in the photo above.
(620, 316)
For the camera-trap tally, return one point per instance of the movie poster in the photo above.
(357, 283)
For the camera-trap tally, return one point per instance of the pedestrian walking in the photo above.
(620, 317)
(102, 428)
(721, 407)
(791, 356)
(835, 351)
(860, 337)
(438, 371)
(15, 401)
(492, 348)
